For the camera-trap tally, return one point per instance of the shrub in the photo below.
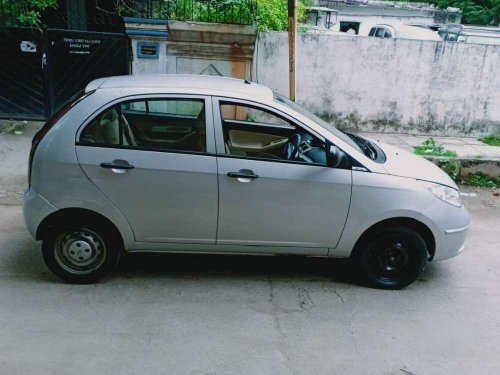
(492, 140)
(431, 148)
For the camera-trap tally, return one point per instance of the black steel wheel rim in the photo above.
(391, 259)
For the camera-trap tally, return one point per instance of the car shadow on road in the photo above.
(28, 263)
(212, 266)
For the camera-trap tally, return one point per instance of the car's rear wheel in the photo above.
(391, 258)
(81, 251)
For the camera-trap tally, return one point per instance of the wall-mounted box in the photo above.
(148, 50)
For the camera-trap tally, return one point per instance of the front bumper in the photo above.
(452, 243)
(35, 209)
(452, 227)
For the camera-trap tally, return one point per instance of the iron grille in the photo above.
(241, 12)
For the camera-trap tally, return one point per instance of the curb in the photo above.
(462, 166)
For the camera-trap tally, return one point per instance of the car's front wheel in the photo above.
(391, 258)
(81, 251)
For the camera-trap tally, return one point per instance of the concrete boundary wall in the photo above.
(388, 85)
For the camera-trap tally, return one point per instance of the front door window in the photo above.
(255, 132)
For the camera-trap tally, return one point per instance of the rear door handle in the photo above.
(117, 164)
(242, 175)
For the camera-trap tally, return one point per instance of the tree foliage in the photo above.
(273, 14)
(24, 12)
(474, 12)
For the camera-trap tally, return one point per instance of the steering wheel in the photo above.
(301, 148)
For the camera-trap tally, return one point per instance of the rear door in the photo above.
(268, 198)
(153, 158)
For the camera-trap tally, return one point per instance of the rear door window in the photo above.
(104, 129)
(159, 124)
(173, 124)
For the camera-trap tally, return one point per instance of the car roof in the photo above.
(183, 81)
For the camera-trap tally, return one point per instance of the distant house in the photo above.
(360, 15)
(470, 34)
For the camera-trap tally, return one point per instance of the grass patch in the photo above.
(481, 180)
(431, 148)
(492, 140)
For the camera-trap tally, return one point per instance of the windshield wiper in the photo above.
(366, 146)
(372, 149)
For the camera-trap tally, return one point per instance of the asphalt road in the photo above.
(172, 314)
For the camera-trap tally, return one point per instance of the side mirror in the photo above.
(336, 157)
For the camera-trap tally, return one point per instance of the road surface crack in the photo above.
(338, 295)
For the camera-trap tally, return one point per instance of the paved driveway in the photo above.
(171, 314)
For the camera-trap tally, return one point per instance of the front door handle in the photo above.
(117, 164)
(242, 175)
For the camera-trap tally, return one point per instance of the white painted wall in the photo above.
(149, 66)
(388, 85)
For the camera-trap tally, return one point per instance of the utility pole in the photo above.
(292, 31)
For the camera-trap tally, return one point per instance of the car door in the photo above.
(266, 199)
(154, 159)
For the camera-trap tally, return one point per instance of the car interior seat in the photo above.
(104, 130)
(110, 127)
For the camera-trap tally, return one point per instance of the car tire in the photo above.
(391, 258)
(82, 251)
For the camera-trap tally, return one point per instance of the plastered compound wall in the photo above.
(388, 85)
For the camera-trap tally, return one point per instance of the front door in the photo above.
(275, 188)
(153, 159)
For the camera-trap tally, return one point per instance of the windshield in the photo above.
(331, 128)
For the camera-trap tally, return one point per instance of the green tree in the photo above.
(273, 14)
(23, 12)
(474, 12)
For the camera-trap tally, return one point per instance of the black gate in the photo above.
(74, 58)
(22, 89)
(39, 72)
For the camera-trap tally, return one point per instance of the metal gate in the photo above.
(74, 58)
(22, 89)
(39, 72)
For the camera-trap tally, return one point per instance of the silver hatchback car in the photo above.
(180, 163)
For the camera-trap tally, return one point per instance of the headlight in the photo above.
(445, 193)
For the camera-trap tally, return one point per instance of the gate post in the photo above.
(77, 14)
(211, 49)
(148, 38)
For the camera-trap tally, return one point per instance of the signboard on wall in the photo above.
(148, 50)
